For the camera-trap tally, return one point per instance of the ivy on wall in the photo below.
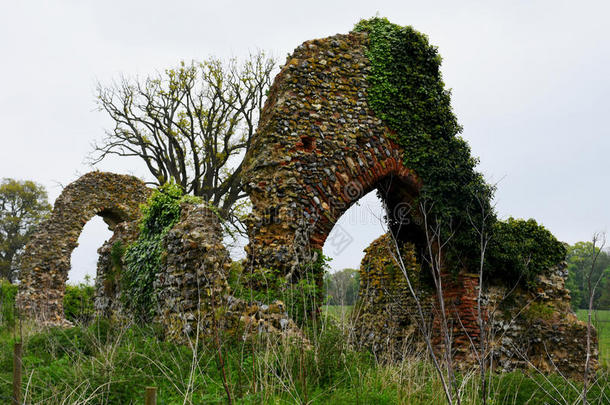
(143, 257)
(407, 92)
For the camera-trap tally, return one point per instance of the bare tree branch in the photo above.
(189, 125)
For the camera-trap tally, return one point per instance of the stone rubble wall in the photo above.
(318, 149)
(386, 318)
(536, 327)
(107, 302)
(193, 281)
(528, 326)
(46, 260)
(193, 293)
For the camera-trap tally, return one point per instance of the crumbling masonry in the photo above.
(318, 149)
(46, 261)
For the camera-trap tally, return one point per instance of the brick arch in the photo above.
(46, 260)
(318, 149)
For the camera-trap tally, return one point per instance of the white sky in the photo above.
(529, 86)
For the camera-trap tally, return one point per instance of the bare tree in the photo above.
(435, 243)
(598, 238)
(483, 230)
(191, 124)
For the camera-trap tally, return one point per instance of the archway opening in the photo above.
(362, 223)
(78, 299)
(389, 209)
(83, 262)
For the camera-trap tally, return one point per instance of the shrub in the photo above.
(522, 249)
(8, 292)
(78, 302)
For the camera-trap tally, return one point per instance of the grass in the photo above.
(338, 312)
(110, 363)
(601, 321)
(106, 363)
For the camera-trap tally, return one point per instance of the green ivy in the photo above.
(522, 249)
(143, 257)
(407, 92)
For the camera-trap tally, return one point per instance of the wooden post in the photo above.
(151, 396)
(17, 354)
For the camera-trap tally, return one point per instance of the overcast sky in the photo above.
(529, 79)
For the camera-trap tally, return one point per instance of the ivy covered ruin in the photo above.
(346, 115)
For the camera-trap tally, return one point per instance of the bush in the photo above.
(78, 303)
(522, 249)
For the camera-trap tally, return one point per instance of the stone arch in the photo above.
(319, 148)
(46, 261)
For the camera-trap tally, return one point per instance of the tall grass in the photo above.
(112, 363)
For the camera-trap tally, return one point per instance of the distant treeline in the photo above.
(342, 287)
(580, 258)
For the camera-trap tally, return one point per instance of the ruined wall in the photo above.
(386, 318)
(46, 260)
(110, 264)
(318, 149)
(527, 326)
(536, 327)
(193, 280)
(193, 294)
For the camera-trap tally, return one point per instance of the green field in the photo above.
(338, 312)
(601, 320)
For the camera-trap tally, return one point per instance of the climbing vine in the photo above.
(143, 257)
(407, 92)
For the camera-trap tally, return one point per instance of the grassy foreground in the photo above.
(601, 320)
(106, 363)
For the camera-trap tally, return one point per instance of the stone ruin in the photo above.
(526, 325)
(46, 261)
(318, 149)
(191, 285)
